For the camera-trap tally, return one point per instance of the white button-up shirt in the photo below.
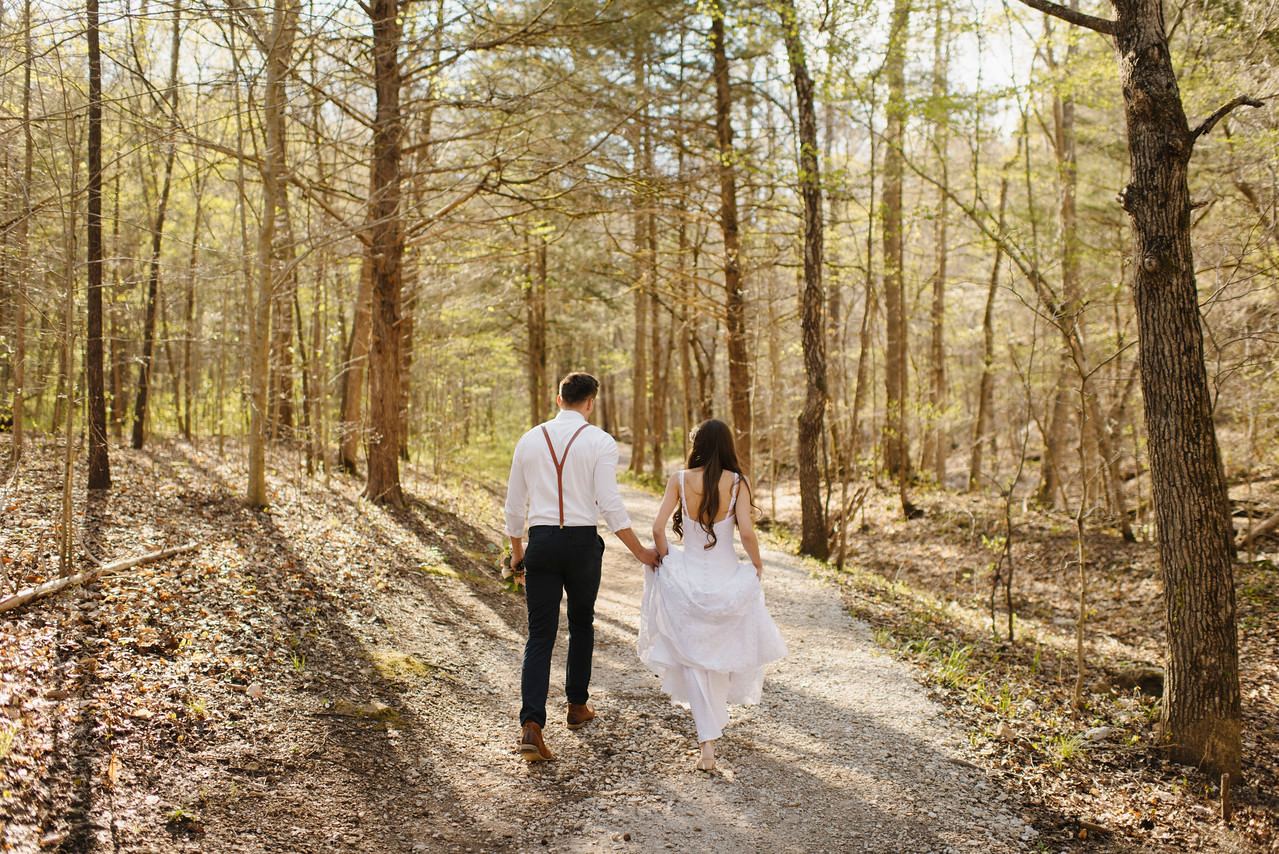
(590, 478)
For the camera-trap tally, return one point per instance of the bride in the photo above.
(703, 625)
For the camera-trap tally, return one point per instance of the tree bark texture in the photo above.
(896, 444)
(99, 462)
(739, 368)
(387, 250)
(813, 536)
(1201, 704)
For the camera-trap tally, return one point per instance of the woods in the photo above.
(902, 246)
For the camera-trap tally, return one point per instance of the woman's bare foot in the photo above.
(707, 760)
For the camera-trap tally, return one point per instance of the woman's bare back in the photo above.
(694, 488)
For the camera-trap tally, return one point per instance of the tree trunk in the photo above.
(119, 342)
(190, 369)
(813, 536)
(659, 357)
(279, 51)
(1201, 703)
(535, 310)
(739, 368)
(99, 463)
(281, 421)
(639, 359)
(350, 424)
(938, 443)
(988, 355)
(1072, 304)
(387, 248)
(896, 443)
(157, 238)
(22, 249)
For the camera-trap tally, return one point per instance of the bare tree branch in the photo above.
(1223, 111)
(1105, 26)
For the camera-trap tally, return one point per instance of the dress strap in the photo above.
(682, 503)
(559, 464)
(732, 501)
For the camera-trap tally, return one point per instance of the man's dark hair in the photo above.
(577, 387)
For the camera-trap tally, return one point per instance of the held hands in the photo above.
(649, 557)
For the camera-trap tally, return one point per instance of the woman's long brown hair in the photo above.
(713, 450)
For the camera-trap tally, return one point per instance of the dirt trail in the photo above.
(332, 676)
(846, 753)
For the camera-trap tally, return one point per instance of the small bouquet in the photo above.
(512, 575)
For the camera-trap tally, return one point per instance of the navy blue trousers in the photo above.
(559, 562)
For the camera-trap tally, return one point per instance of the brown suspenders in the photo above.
(559, 464)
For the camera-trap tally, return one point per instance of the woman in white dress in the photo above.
(703, 625)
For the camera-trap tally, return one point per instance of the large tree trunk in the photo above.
(1201, 703)
(99, 463)
(157, 238)
(739, 367)
(279, 50)
(813, 538)
(382, 444)
(896, 444)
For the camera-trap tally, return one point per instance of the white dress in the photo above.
(703, 625)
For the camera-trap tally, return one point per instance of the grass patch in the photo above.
(644, 481)
(372, 711)
(399, 666)
(7, 732)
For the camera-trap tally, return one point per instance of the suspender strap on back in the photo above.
(559, 464)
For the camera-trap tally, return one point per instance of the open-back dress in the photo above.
(703, 624)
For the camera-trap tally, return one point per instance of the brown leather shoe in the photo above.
(532, 748)
(579, 714)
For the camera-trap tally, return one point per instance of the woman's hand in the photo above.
(759, 572)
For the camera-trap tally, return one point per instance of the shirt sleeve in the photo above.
(516, 509)
(607, 497)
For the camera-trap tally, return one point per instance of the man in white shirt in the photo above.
(563, 477)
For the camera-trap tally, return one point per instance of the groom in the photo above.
(565, 471)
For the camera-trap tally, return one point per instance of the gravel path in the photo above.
(846, 752)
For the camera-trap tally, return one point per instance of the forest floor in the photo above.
(328, 675)
(1090, 773)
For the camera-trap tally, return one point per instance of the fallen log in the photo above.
(31, 594)
(1248, 537)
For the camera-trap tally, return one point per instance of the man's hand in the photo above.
(650, 558)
